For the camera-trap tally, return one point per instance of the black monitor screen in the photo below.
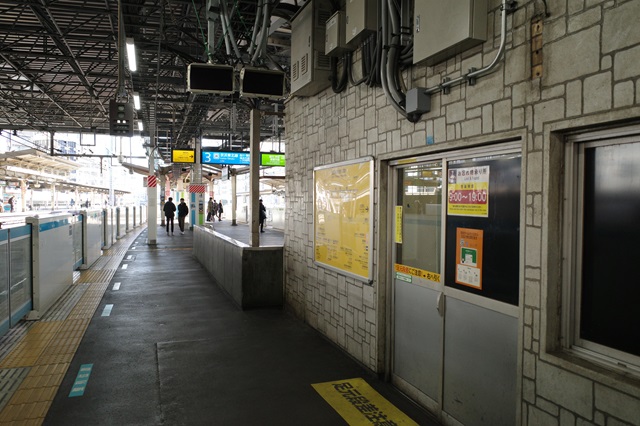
(210, 78)
(263, 83)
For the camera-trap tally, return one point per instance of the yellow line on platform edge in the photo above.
(360, 404)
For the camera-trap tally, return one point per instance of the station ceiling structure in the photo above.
(61, 62)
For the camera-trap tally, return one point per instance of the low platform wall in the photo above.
(252, 276)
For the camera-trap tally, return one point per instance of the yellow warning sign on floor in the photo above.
(359, 404)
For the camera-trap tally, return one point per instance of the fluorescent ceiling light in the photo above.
(136, 100)
(140, 125)
(131, 54)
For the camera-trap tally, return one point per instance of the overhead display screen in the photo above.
(272, 159)
(183, 156)
(236, 158)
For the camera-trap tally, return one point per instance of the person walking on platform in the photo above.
(263, 215)
(183, 210)
(169, 212)
(210, 206)
(220, 211)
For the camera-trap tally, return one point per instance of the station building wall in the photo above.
(590, 81)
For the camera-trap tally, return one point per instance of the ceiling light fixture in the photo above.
(140, 125)
(136, 100)
(131, 54)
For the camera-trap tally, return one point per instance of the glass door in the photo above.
(456, 284)
(417, 321)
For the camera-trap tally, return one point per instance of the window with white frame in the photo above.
(602, 247)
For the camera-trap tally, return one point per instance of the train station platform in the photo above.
(146, 337)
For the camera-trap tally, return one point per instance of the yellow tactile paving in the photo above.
(86, 306)
(27, 351)
(92, 276)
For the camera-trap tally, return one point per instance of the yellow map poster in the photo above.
(343, 217)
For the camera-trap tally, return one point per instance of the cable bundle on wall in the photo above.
(393, 56)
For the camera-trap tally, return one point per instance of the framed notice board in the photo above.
(343, 217)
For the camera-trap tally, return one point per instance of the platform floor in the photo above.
(145, 337)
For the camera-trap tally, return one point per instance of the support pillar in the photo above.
(152, 202)
(234, 197)
(254, 173)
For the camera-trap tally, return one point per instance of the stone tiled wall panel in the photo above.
(591, 53)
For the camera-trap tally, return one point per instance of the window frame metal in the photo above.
(573, 222)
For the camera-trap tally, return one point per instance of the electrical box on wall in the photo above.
(444, 28)
(334, 41)
(310, 67)
(361, 20)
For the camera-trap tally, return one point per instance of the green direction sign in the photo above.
(270, 159)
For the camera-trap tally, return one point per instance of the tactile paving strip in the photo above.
(29, 349)
(63, 307)
(36, 355)
(91, 276)
(89, 302)
(10, 379)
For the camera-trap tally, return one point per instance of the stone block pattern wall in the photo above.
(591, 69)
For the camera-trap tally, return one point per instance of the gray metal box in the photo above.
(444, 28)
(334, 41)
(310, 67)
(361, 20)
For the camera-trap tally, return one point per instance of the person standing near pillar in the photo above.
(263, 215)
(183, 211)
(169, 212)
(210, 211)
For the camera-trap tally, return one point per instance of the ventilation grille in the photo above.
(295, 73)
(304, 64)
(324, 61)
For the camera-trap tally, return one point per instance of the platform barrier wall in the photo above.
(113, 229)
(121, 222)
(39, 254)
(15, 275)
(252, 276)
(76, 222)
(92, 231)
(52, 248)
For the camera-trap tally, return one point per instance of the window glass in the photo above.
(609, 292)
(420, 196)
(489, 208)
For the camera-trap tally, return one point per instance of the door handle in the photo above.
(440, 304)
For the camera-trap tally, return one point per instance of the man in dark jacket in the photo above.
(183, 210)
(263, 215)
(169, 212)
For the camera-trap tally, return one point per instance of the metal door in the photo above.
(456, 285)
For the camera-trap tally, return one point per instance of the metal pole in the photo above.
(152, 204)
(254, 169)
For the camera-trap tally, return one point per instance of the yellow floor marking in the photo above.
(359, 404)
(92, 276)
(29, 349)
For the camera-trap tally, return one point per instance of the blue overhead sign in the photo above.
(236, 158)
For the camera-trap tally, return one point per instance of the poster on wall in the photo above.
(468, 191)
(399, 224)
(343, 223)
(469, 257)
